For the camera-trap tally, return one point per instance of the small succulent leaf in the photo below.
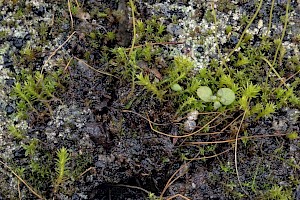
(226, 95)
(217, 105)
(176, 87)
(213, 98)
(204, 93)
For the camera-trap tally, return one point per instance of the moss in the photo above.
(248, 71)
(209, 16)
(278, 192)
(3, 34)
(225, 6)
(35, 91)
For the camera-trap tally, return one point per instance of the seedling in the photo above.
(224, 96)
(61, 169)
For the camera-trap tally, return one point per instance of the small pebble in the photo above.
(192, 116)
(39, 11)
(18, 42)
(189, 126)
(19, 153)
(234, 39)
(9, 110)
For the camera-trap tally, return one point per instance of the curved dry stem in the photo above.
(207, 157)
(77, 3)
(184, 167)
(56, 50)
(233, 140)
(157, 124)
(133, 187)
(70, 13)
(235, 155)
(68, 64)
(214, 133)
(274, 70)
(283, 31)
(19, 191)
(292, 76)
(187, 135)
(182, 136)
(156, 43)
(178, 195)
(271, 16)
(231, 122)
(87, 170)
(20, 179)
(244, 32)
(133, 25)
(96, 70)
(170, 181)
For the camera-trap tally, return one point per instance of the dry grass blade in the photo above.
(184, 169)
(96, 70)
(231, 122)
(89, 169)
(145, 118)
(181, 171)
(175, 136)
(133, 25)
(20, 179)
(290, 77)
(77, 4)
(178, 195)
(215, 133)
(133, 187)
(244, 32)
(68, 64)
(271, 16)
(235, 155)
(155, 43)
(182, 136)
(19, 191)
(207, 157)
(275, 72)
(283, 31)
(233, 140)
(58, 48)
(70, 12)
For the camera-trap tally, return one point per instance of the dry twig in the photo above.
(55, 51)
(20, 179)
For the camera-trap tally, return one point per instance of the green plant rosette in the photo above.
(204, 93)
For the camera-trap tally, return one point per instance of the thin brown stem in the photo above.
(233, 140)
(235, 154)
(56, 50)
(70, 13)
(182, 136)
(20, 179)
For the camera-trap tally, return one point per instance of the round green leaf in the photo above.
(176, 87)
(204, 93)
(226, 95)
